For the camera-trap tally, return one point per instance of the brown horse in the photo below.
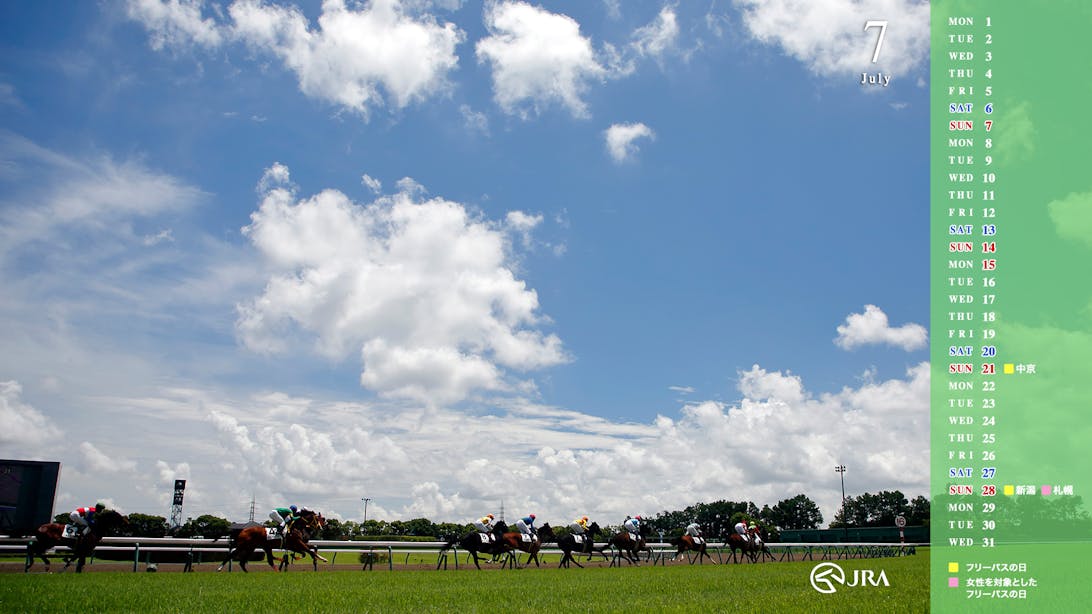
(49, 535)
(688, 543)
(568, 544)
(515, 541)
(296, 538)
(628, 548)
(749, 548)
(759, 536)
(474, 543)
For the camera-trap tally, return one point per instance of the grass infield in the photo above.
(767, 587)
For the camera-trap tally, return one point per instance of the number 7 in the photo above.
(882, 25)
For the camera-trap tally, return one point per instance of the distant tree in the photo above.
(716, 518)
(419, 526)
(145, 525)
(450, 529)
(375, 527)
(918, 514)
(561, 530)
(798, 512)
(332, 530)
(350, 529)
(872, 510)
(205, 525)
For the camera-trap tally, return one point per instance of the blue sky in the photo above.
(287, 239)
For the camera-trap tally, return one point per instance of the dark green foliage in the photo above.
(205, 525)
(875, 510)
(798, 512)
(145, 525)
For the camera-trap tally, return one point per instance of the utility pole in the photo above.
(365, 500)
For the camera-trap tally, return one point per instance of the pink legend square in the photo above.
(1046, 490)
(953, 582)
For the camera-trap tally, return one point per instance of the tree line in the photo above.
(716, 519)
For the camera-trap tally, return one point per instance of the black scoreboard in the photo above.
(27, 490)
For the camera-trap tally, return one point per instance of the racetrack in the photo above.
(781, 587)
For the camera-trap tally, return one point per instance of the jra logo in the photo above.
(825, 576)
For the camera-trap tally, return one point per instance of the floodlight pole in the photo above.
(841, 469)
(365, 500)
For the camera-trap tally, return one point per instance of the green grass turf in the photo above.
(767, 587)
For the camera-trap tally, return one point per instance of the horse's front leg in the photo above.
(316, 557)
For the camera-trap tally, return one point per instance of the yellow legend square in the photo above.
(1009, 490)
(953, 567)
(1009, 368)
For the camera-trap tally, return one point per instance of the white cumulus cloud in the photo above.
(620, 137)
(828, 36)
(451, 464)
(23, 425)
(538, 58)
(659, 36)
(97, 461)
(382, 53)
(422, 289)
(176, 22)
(358, 59)
(872, 327)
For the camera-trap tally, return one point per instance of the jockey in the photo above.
(633, 525)
(579, 526)
(84, 517)
(526, 525)
(284, 517)
(693, 529)
(741, 528)
(485, 525)
(753, 530)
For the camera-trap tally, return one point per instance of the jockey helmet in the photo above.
(531, 516)
(99, 507)
(292, 507)
(585, 518)
(752, 525)
(490, 516)
(638, 518)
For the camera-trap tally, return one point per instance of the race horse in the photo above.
(515, 541)
(748, 547)
(568, 544)
(53, 534)
(478, 543)
(628, 548)
(295, 540)
(688, 543)
(760, 536)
